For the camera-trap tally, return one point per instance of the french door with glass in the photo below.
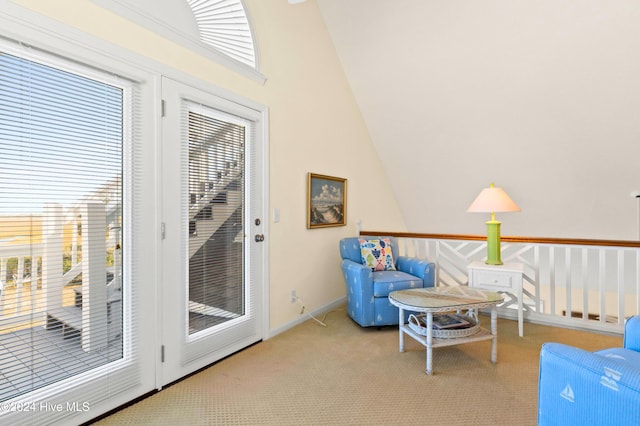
(212, 229)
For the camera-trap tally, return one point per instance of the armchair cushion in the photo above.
(377, 254)
(385, 282)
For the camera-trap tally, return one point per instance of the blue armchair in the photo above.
(368, 290)
(577, 387)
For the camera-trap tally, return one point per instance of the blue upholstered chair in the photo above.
(577, 387)
(368, 290)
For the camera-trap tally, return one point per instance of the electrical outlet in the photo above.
(293, 296)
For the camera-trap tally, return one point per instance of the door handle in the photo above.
(259, 238)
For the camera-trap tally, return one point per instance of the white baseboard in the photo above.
(306, 316)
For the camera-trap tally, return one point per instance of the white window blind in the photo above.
(63, 235)
(216, 278)
(223, 24)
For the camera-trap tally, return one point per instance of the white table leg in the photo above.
(400, 332)
(429, 336)
(520, 315)
(494, 332)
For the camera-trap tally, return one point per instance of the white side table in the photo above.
(505, 278)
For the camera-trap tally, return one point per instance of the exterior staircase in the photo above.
(214, 209)
(68, 319)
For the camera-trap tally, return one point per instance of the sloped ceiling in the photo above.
(540, 96)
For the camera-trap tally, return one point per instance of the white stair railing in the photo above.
(587, 284)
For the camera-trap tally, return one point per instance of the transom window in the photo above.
(224, 25)
(219, 29)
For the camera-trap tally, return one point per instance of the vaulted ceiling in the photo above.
(540, 96)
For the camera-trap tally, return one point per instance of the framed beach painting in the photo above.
(326, 201)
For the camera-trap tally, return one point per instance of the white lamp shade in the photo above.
(492, 200)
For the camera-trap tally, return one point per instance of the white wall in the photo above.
(539, 96)
(315, 126)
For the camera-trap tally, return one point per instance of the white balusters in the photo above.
(600, 284)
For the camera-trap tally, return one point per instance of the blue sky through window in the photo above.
(61, 135)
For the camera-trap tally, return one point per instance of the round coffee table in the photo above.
(446, 299)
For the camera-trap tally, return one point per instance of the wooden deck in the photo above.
(36, 357)
(33, 355)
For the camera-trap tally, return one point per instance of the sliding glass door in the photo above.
(63, 138)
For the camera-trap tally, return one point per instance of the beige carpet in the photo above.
(346, 375)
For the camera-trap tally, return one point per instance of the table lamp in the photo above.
(492, 200)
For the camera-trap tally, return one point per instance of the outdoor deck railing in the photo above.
(579, 283)
(22, 299)
(38, 263)
(19, 285)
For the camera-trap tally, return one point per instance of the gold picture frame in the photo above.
(326, 201)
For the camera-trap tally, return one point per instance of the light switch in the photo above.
(276, 215)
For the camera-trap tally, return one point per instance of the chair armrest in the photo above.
(632, 333)
(359, 285)
(419, 267)
(577, 387)
(358, 278)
